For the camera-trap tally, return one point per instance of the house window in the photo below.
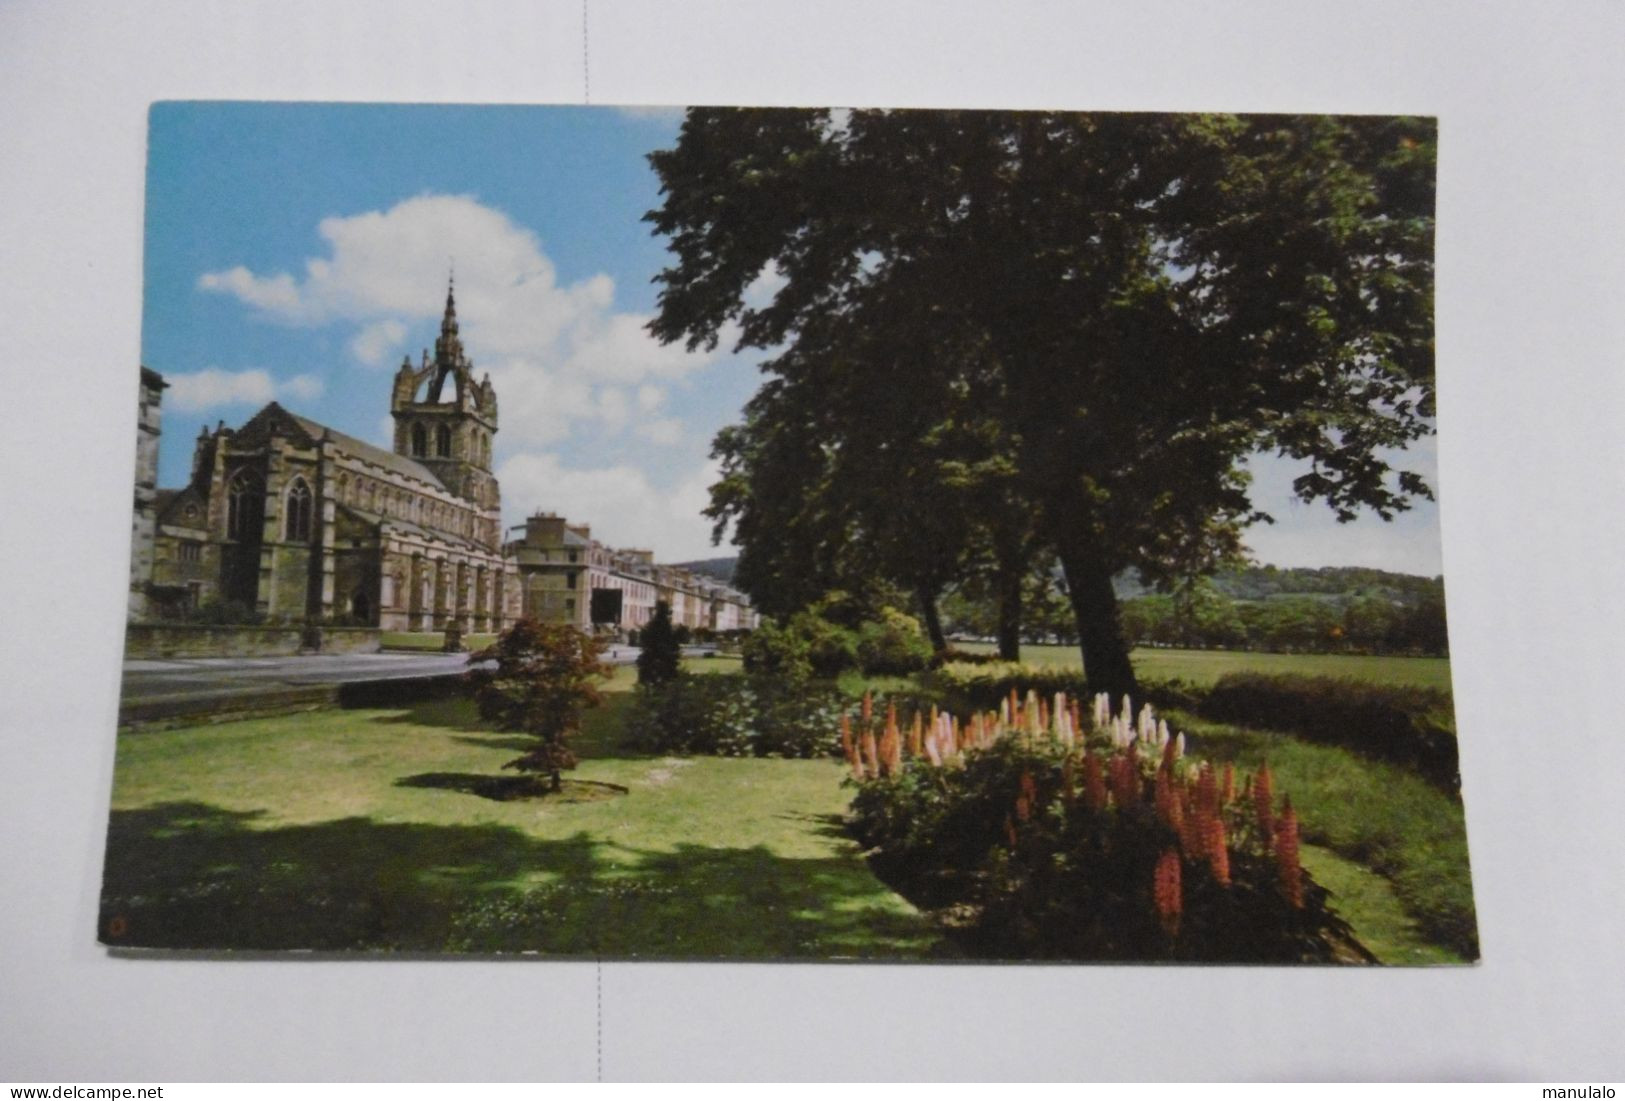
(245, 505)
(298, 514)
(442, 441)
(420, 440)
(191, 552)
(570, 579)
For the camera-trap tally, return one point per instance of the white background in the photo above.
(1531, 310)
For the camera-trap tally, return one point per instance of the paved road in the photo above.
(176, 678)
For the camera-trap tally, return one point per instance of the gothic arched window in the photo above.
(420, 440)
(442, 441)
(297, 527)
(245, 505)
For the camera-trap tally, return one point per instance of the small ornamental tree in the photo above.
(546, 674)
(658, 662)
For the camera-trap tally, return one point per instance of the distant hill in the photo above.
(1332, 583)
(720, 569)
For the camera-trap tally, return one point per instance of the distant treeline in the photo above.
(1339, 609)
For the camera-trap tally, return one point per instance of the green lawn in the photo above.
(1207, 666)
(358, 829)
(364, 829)
(1381, 816)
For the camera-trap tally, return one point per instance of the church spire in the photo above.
(448, 323)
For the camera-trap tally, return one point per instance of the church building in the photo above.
(297, 521)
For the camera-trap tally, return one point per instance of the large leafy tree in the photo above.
(1135, 302)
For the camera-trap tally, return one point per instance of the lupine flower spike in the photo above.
(1286, 855)
(1165, 891)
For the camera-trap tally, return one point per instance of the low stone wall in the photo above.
(198, 640)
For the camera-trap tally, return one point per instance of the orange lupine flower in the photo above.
(868, 709)
(1094, 782)
(871, 754)
(1125, 780)
(1218, 854)
(1193, 835)
(1227, 787)
(1286, 855)
(1165, 891)
(915, 736)
(1162, 796)
(1264, 800)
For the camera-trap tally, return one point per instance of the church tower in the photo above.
(445, 420)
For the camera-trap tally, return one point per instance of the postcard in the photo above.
(788, 534)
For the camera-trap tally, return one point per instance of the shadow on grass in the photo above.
(601, 735)
(507, 788)
(187, 875)
(824, 825)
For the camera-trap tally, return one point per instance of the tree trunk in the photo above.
(1100, 634)
(933, 620)
(1009, 586)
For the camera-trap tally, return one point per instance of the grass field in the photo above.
(360, 829)
(364, 830)
(1207, 666)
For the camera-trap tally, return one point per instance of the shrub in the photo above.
(804, 645)
(984, 684)
(661, 656)
(217, 612)
(546, 674)
(776, 649)
(963, 657)
(1407, 725)
(893, 645)
(736, 715)
(1108, 844)
(831, 648)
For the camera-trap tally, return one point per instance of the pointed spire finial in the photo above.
(448, 324)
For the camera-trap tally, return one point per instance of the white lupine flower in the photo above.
(1179, 746)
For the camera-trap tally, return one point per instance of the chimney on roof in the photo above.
(544, 530)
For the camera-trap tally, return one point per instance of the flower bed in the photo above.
(1050, 832)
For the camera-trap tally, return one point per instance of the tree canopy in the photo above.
(1094, 317)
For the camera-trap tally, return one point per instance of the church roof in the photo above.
(400, 464)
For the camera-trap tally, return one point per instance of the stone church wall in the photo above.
(192, 640)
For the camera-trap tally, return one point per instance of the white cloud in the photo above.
(376, 343)
(214, 388)
(664, 430)
(624, 508)
(558, 354)
(301, 388)
(650, 398)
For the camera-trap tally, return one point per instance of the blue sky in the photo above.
(297, 251)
